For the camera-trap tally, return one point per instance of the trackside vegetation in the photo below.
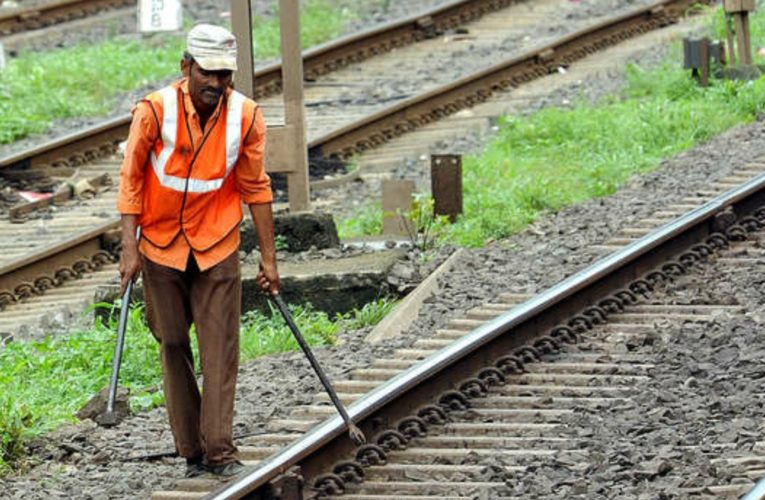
(556, 157)
(44, 383)
(83, 81)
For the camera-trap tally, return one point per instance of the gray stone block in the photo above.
(301, 231)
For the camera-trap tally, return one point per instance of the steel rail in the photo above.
(62, 261)
(756, 493)
(317, 61)
(441, 372)
(41, 16)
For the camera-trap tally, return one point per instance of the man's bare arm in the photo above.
(262, 217)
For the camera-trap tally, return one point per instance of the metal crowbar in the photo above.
(110, 418)
(354, 432)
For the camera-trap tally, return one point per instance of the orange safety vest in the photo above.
(189, 187)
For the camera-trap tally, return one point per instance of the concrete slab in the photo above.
(333, 285)
(405, 312)
(336, 285)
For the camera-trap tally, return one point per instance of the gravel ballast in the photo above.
(703, 394)
(88, 462)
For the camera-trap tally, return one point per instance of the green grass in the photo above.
(82, 81)
(44, 383)
(557, 157)
(367, 221)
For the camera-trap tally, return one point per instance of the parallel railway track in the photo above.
(44, 15)
(24, 278)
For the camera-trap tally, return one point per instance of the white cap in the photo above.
(212, 47)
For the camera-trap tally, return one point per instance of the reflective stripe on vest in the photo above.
(170, 131)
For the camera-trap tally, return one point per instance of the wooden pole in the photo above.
(744, 56)
(747, 37)
(731, 43)
(241, 21)
(294, 110)
(704, 69)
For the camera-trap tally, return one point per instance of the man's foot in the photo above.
(195, 466)
(226, 470)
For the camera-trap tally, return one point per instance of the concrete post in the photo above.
(740, 10)
(294, 109)
(241, 21)
(396, 204)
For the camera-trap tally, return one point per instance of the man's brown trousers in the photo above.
(211, 300)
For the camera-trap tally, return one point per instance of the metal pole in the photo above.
(294, 110)
(355, 433)
(109, 417)
(241, 21)
(704, 69)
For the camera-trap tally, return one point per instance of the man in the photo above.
(194, 153)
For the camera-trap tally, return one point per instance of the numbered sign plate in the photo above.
(159, 15)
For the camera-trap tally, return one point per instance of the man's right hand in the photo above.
(130, 265)
(130, 261)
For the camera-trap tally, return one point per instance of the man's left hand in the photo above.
(268, 278)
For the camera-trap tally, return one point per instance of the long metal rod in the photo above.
(356, 435)
(119, 347)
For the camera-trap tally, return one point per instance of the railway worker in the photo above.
(193, 155)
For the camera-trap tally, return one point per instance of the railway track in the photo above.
(44, 15)
(25, 271)
(470, 411)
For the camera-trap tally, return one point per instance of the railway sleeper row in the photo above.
(42, 16)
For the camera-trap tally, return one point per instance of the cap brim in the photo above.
(216, 63)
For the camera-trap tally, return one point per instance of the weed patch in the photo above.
(367, 221)
(556, 157)
(44, 383)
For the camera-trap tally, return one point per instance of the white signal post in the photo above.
(159, 15)
(2, 57)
